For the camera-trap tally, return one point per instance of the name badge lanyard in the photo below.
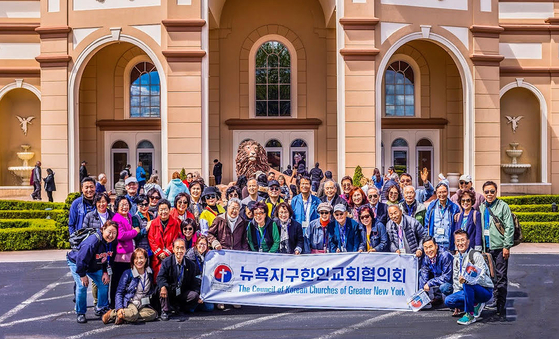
(441, 212)
(198, 263)
(260, 237)
(343, 236)
(400, 237)
(324, 238)
(180, 276)
(143, 279)
(306, 207)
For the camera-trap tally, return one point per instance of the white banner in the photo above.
(379, 281)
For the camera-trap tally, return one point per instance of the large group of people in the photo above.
(150, 242)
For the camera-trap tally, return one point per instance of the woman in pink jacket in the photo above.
(125, 243)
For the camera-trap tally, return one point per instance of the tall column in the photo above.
(486, 59)
(54, 60)
(359, 54)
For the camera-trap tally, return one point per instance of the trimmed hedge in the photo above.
(18, 234)
(11, 205)
(540, 232)
(61, 230)
(531, 199)
(34, 214)
(530, 208)
(537, 217)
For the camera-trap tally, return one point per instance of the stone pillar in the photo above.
(54, 60)
(184, 99)
(486, 59)
(359, 54)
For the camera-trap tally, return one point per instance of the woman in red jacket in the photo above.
(163, 231)
(180, 211)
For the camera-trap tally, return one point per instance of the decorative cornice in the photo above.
(129, 125)
(479, 31)
(23, 72)
(486, 60)
(184, 25)
(516, 29)
(19, 28)
(53, 32)
(552, 21)
(361, 54)
(529, 71)
(53, 60)
(414, 123)
(359, 23)
(184, 56)
(273, 123)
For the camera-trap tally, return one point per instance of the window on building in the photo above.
(399, 91)
(400, 155)
(273, 80)
(274, 153)
(145, 91)
(299, 152)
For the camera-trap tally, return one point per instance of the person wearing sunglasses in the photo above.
(466, 184)
(393, 193)
(180, 211)
(439, 218)
(292, 240)
(142, 221)
(497, 243)
(344, 234)
(196, 205)
(316, 235)
(154, 196)
(212, 209)
(189, 232)
(374, 232)
(380, 209)
(405, 233)
(232, 192)
(263, 233)
(469, 219)
(421, 194)
(175, 187)
(273, 197)
(411, 206)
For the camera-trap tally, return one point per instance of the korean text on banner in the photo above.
(381, 281)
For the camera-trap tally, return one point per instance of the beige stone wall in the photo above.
(18, 102)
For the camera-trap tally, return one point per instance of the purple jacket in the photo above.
(126, 234)
(473, 228)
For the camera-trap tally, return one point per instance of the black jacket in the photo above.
(336, 200)
(295, 233)
(316, 174)
(382, 212)
(83, 173)
(49, 183)
(217, 169)
(169, 274)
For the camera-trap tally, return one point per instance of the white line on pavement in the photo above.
(92, 332)
(245, 323)
(461, 333)
(357, 326)
(35, 318)
(54, 298)
(33, 298)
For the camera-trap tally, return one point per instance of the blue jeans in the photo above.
(468, 297)
(81, 291)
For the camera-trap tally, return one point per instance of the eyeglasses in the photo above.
(273, 188)
(188, 229)
(338, 214)
(145, 204)
(489, 191)
(373, 196)
(324, 212)
(392, 193)
(464, 182)
(405, 180)
(365, 216)
(210, 196)
(182, 202)
(258, 213)
(466, 200)
(233, 195)
(155, 197)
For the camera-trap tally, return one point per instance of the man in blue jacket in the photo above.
(305, 204)
(82, 205)
(439, 218)
(379, 208)
(435, 275)
(344, 234)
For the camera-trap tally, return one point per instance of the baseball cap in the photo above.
(130, 180)
(324, 206)
(339, 208)
(273, 183)
(466, 178)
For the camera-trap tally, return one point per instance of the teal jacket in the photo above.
(502, 211)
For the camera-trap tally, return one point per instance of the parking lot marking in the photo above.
(54, 298)
(92, 332)
(33, 298)
(246, 323)
(357, 326)
(53, 315)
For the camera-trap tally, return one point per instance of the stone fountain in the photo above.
(23, 172)
(514, 169)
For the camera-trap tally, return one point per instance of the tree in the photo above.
(182, 174)
(357, 176)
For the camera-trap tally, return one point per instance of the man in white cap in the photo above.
(131, 185)
(465, 185)
(344, 234)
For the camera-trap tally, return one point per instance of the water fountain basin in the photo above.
(23, 172)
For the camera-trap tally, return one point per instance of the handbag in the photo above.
(517, 239)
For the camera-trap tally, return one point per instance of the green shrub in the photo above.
(530, 208)
(540, 232)
(61, 230)
(29, 205)
(537, 217)
(531, 199)
(357, 175)
(33, 214)
(17, 234)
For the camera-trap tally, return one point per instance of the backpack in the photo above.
(517, 228)
(488, 261)
(80, 235)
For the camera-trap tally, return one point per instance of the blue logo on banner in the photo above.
(223, 273)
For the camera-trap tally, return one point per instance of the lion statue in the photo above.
(251, 158)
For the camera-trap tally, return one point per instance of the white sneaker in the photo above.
(220, 307)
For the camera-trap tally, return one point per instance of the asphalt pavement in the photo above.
(36, 302)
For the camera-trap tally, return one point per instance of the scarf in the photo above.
(324, 223)
(232, 222)
(284, 237)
